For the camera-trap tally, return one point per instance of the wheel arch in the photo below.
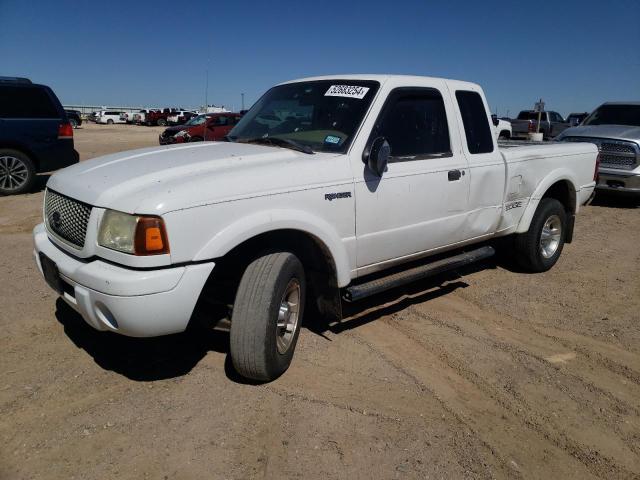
(282, 225)
(23, 149)
(559, 185)
(324, 260)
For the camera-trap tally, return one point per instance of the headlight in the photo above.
(133, 234)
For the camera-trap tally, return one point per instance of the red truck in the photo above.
(159, 117)
(210, 126)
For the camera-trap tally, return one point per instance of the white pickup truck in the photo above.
(361, 173)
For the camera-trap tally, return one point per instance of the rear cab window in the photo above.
(475, 121)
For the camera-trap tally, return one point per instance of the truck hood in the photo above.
(162, 179)
(616, 132)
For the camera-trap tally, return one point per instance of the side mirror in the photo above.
(378, 156)
(495, 120)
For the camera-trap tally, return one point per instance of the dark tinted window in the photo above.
(529, 115)
(415, 124)
(475, 120)
(556, 117)
(615, 115)
(26, 102)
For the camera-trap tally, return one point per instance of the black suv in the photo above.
(35, 134)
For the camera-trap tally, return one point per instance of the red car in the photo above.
(210, 126)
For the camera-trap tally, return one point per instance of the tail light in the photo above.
(595, 172)
(65, 130)
(532, 128)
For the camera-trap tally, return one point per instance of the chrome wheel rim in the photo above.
(550, 236)
(288, 316)
(13, 173)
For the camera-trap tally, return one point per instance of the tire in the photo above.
(505, 135)
(109, 122)
(17, 172)
(73, 122)
(535, 253)
(260, 348)
(161, 122)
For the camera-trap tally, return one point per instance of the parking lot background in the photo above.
(488, 373)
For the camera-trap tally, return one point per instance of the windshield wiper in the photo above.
(279, 142)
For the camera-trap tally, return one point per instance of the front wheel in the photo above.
(538, 249)
(161, 122)
(267, 314)
(109, 122)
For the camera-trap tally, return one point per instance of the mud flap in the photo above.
(571, 221)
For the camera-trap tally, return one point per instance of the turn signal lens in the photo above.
(151, 237)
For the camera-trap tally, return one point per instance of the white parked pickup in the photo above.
(360, 173)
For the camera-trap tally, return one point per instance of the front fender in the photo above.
(266, 221)
(557, 175)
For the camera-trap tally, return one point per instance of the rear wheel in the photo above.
(539, 248)
(17, 172)
(267, 314)
(161, 122)
(109, 122)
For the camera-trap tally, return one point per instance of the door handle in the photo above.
(454, 175)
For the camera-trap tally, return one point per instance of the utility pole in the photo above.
(206, 92)
(242, 96)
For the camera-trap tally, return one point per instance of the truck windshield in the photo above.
(615, 115)
(322, 115)
(197, 120)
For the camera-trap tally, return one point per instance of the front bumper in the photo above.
(137, 303)
(617, 181)
(170, 140)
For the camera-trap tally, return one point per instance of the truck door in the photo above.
(486, 166)
(420, 202)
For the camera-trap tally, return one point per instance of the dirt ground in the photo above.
(488, 373)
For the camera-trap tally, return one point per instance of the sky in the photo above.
(573, 54)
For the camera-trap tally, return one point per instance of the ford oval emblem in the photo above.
(56, 221)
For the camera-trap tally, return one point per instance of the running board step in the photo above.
(358, 292)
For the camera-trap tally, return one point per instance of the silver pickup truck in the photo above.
(551, 124)
(615, 128)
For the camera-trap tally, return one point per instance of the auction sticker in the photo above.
(349, 91)
(334, 140)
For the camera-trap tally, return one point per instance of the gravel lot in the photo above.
(492, 373)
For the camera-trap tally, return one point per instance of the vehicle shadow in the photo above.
(612, 200)
(171, 356)
(141, 359)
(368, 310)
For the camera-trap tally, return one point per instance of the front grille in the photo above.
(617, 161)
(616, 148)
(66, 218)
(613, 153)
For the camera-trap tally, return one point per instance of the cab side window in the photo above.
(475, 121)
(414, 122)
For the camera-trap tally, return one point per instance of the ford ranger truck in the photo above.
(322, 187)
(615, 128)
